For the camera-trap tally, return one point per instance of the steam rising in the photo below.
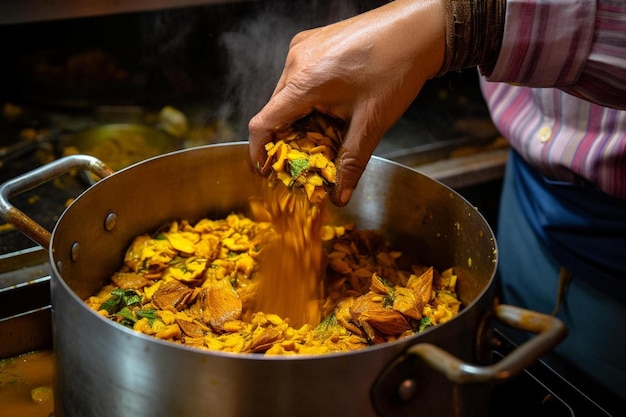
(257, 48)
(229, 56)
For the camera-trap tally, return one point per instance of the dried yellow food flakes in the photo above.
(194, 285)
(303, 155)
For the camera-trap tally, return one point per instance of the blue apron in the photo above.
(544, 226)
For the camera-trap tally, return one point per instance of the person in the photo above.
(553, 74)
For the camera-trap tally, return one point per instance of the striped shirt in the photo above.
(558, 89)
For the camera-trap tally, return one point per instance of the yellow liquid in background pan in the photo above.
(26, 385)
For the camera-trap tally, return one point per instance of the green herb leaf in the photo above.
(328, 323)
(112, 305)
(148, 313)
(127, 317)
(132, 300)
(389, 298)
(388, 301)
(120, 298)
(425, 322)
(297, 166)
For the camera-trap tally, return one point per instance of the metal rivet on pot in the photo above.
(110, 222)
(407, 389)
(75, 252)
(60, 266)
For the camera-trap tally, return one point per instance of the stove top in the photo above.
(547, 389)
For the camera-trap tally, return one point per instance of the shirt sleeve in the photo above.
(576, 45)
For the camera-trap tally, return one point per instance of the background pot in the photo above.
(119, 145)
(103, 369)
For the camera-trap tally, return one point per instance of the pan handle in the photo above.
(35, 178)
(405, 383)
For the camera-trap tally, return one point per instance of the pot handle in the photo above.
(35, 178)
(406, 382)
(550, 332)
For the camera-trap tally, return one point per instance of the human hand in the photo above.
(365, 70)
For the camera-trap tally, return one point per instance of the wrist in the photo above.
(474, 30)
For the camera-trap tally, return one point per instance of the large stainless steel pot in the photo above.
(103, 369)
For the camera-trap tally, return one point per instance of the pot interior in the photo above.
(419, 216)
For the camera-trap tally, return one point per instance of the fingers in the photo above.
(286, 105)
(280, 112)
